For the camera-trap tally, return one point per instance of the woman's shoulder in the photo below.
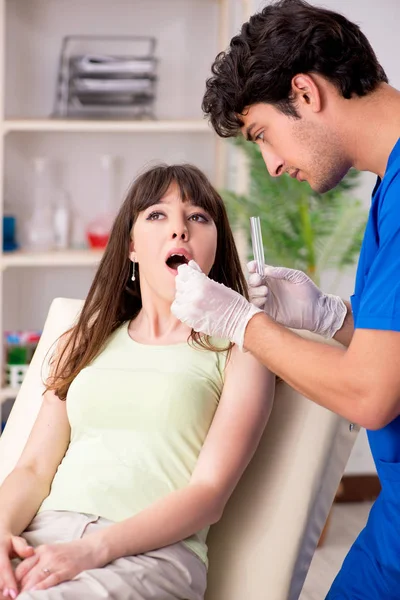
(222, 350)
(219, 344)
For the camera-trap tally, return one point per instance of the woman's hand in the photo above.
(54, 563)
(11, 546)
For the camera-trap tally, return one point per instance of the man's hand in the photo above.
(291, 298)
(210, 307)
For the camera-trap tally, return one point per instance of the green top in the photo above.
(139, 416)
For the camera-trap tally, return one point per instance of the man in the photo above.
(304, 84)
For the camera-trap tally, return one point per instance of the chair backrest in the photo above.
(263, 545)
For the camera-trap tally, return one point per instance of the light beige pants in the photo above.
(172, 573)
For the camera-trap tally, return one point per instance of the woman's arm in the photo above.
(243, 412)
(29, 483)
(23, 491)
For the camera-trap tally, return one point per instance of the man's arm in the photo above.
(345, 334)
(361, 383)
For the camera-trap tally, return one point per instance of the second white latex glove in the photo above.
(210, 307)
(292, 299)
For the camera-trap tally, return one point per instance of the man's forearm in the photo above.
(319, 371)
(346, 332)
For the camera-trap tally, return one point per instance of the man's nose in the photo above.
(273, 163)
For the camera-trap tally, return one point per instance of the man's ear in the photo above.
(306, 93)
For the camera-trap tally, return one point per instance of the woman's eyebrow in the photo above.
(193, 204)
(156, 203)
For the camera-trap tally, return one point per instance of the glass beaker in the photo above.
(99, 229)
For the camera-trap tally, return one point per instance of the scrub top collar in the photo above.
(392, 157)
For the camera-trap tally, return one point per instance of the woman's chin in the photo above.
(168, 294)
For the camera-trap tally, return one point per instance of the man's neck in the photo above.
(372, 128)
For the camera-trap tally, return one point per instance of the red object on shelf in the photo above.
(22, 337)
(98, 231)
(97, 240)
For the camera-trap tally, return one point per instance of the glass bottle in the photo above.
(39, 227)
(62, 220)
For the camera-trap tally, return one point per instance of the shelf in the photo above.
(106, 126)
(6, 393)
(61, 258)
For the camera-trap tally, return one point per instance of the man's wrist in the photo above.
(334, 314)
(252, 325)
(344, 335)
(249, 312)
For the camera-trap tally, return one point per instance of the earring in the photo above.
(133, 271)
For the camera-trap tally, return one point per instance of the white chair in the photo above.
(263, 545)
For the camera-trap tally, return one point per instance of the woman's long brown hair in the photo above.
(113, 298)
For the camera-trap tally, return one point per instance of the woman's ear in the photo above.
(132, 255)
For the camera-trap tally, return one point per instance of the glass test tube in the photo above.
(258, 248)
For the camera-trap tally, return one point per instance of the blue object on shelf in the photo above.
(9, 229)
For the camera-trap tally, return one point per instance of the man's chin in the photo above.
(323, 187)
(328, 184)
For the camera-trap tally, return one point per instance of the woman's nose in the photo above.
(180, 233)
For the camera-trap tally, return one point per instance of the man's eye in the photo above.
(155, 216)
(198, 218)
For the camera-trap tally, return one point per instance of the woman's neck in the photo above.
(155, 327)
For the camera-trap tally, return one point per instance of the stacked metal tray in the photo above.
(95, 83)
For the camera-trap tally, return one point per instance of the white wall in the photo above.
(379, 20)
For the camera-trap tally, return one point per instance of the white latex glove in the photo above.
(292, 299)
(210, 307)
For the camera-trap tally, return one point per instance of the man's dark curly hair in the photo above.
(286, 38)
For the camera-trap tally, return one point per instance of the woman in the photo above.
(131, 457)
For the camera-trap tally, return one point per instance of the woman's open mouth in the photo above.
(175, 260)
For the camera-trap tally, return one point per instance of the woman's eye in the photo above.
(198, 218)
(259, 137)
(155, 216)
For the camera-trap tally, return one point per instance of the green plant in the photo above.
(301, 229)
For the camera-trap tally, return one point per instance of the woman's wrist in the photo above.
(96, 544)
(5, 529)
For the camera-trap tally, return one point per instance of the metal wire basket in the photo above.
(106, 77)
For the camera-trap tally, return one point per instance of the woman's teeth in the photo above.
(175, 260)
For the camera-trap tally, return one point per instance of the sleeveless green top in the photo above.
(139, 416)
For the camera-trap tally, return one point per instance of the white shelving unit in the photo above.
(62, 258)
(91, 126)
(30, 39)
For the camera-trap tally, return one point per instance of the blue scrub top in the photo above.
(371, 570)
